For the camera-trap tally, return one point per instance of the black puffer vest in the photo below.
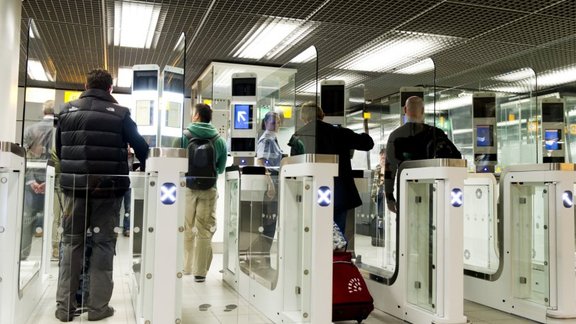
(93, 148)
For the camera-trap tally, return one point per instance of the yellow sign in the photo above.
(367, 115)
(71, 95)
(511, 117)
(207, 102)
(287, 111)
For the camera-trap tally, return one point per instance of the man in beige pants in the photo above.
(206, 159)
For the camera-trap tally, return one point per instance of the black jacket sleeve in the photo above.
(136, 141)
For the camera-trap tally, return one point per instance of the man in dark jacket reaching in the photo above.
(319, 137)
(92, 137)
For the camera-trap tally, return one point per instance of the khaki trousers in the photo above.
(199, 227)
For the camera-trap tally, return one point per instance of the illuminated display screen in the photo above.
(552, 139)
(144, 112)
(484, 136)
(173, 114)
(243, 116)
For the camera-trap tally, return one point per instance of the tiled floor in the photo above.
(214, 302)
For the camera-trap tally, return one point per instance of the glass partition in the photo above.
(36, 137)
(512, 84)
(173, 115)
(376, 103)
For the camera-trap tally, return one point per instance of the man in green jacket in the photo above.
(206, 159)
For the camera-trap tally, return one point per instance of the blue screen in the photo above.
(484, 136)
(551, 138)
(242, 116)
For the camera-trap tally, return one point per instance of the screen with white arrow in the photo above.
(243, 116)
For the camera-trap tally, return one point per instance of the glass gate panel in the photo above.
(530, 241)
(421, 243)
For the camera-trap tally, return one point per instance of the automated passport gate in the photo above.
(157, 292)
(13, 309)
(427, 285)
(301, 288)
(535, 278)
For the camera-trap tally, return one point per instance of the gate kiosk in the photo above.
(405, 93)
(15, 304)
(145, 93)
(243, 130)
(484, 128)
(296, 285)
(533, 276)
(171, 114)
(427, 284)
(553, 130)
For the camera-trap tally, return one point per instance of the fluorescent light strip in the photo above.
(515, 75)
(308, 55)
(124, 79)
(389, 55)
(36, 71)
(448, 104)
(417, 68)
(557, 77)
(135, 23)
(272, 33)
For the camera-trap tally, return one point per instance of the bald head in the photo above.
(414, 109)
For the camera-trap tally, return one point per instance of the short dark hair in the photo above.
(99, 79)
(204, 112)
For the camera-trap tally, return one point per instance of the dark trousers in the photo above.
(99, 216)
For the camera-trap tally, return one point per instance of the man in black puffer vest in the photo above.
(91, 143)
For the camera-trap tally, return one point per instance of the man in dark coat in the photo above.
(320, 137)
(413, 141)
(92, 140)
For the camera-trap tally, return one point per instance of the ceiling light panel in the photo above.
(425, 65)
(556, 77)
(135, 23)
(272, 37)
(396, 49)
(306, 56)
(515, 75)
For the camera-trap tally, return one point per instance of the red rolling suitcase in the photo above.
(351, 299)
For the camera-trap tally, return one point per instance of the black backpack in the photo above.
(201, 162)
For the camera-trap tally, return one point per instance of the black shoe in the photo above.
(199, 278)
(96, 316)
(127, 233)
(64, 316)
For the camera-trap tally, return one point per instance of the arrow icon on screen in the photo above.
(241, 116)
